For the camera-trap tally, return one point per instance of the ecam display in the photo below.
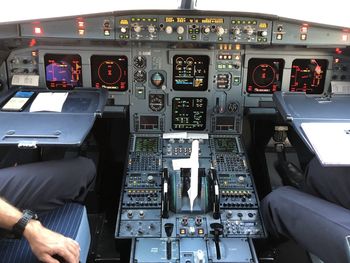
(190, 73)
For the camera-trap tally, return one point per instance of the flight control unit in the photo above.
(188, 193)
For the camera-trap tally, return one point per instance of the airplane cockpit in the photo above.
(191, 117)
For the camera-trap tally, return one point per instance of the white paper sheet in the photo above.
(331, 142)
(49, 101)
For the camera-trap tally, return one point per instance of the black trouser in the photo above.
(317, 218)
(46, 185)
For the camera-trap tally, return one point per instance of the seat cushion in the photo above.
(70, 220)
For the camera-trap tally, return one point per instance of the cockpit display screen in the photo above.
(63, 71)
(189, 113)
(308, 75)
(109, 72)
(226, 145)
(190, 73)
(264, 75)
(146, 144)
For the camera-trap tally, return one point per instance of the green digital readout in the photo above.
(146, 144)
(226, 145)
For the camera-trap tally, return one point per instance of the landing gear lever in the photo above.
(218, 230)
(168, 231)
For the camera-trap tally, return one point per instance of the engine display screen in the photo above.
(189, 113)
(146, 144)
(109, 72)
(63, 71)
(308, 75)
(190, 73)
(226, 145)
(264, 75)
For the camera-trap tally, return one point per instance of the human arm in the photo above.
(43, 242)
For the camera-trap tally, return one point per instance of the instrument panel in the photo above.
(190, 73)
(157, 59)
(151, 80)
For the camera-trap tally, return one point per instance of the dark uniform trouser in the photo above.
(46, 185)
(318, 218)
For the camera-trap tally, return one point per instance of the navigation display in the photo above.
(190, 73)
(189, 113)
(109, 72)
(63, 71)
(308, 75)
(264, 75)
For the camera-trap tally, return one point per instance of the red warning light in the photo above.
(32, 43)
(338, 51)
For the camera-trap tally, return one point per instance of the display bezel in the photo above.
(62, 83)
(96, 80)
(275, 84)
(177, 76)
(191, 126)
(322, 63)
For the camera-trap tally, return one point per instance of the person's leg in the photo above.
(45, 185)
(330, 183)
(317, 225)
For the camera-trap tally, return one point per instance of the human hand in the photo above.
(46, 244)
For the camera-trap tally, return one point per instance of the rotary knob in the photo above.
(248, 30)
(168, 30)
(241, 179)
(180, 30)
(151, 29)
(137, 28)
(220, 31)
(263, 33)
(206, 30)
(123, 29)
(236, 31)
(150, 179)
